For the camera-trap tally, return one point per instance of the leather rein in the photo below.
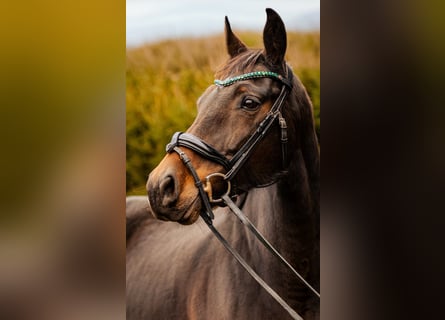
(232, 166)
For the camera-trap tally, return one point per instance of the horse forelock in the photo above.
(242, 63)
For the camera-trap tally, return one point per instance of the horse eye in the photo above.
(250, 104)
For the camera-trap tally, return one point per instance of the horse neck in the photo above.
(286, 211)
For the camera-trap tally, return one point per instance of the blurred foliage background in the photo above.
(164, 80)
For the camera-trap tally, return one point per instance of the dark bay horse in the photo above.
(178, 271)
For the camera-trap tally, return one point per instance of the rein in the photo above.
(232, 166)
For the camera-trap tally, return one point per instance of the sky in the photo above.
(150, 20)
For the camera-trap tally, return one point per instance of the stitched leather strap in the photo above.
(192, 142)
(237, 161)
(206, 212)
(245, 151)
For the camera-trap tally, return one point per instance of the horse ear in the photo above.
(234, 45)
(274, 38)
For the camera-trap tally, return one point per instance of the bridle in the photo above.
(232, 166)
(239, 158)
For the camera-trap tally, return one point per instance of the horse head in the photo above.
(229, 113)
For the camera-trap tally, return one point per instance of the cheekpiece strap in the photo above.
(253, 75)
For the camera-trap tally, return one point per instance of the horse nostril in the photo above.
(167, 189)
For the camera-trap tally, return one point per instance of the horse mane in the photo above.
(308, 147)
(308, 141)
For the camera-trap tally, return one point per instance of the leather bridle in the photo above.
(233, 166)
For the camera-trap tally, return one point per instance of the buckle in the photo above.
(216, 192)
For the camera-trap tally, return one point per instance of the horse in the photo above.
(177, 269)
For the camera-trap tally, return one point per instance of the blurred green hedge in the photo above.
(165, 79)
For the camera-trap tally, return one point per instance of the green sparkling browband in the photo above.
(251, 75)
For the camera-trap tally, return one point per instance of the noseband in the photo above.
(233, 166)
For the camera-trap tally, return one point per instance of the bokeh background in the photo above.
(62, 132)
(151, 21)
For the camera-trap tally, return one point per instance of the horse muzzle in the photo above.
(171, 192)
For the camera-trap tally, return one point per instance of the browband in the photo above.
(253, 75)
